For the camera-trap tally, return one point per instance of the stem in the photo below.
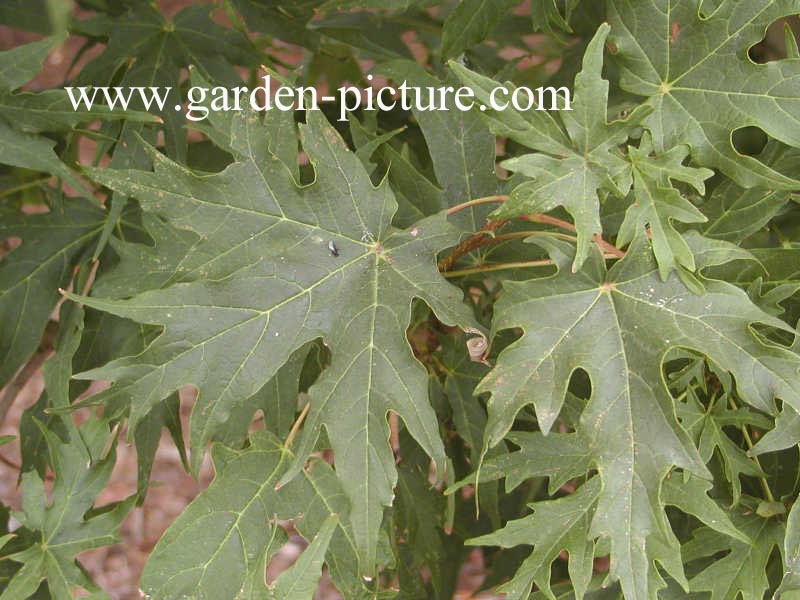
(469, 244)
(476, 201)
(749, 441)
(480, 239)
(296, 425)
(9, 393)
(509, 265)
(540, 218)
(607, 247)
(23, 186)
(486, 241)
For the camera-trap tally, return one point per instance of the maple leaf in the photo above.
(555, 525)
(742, 570)
(702, 93)
(161, 48)
(32, 273)
(705, 425)
(283, 287)
(461, 148)
(564, 523)
(55, 530)
(597, 321)
(61, 528)
(470, 22)
(232, 527)
(546, 15)
(24, 115)
(575, 160)
(659, 203)
(735, 213)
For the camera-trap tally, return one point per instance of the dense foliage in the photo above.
(567, 338)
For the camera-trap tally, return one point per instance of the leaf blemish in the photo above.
(673, 36)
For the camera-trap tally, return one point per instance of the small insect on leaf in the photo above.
(332, 248)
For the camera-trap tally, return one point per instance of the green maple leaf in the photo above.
(742, 572)
(461, 147)
(557, 456)
(61, 526)
(547, 16)
(41, 16)
(576, 159)
(220, 545)
(266, 282)
(564, 524)
(162, 47)
(701, 92)
(555, 525)
(394, 5)
(658, 203)
(287, 21)
(705, 425)
(791, 554)
(29, 113)
(421, 544)
(618, 325)
(52, 243)
(735, 213)
(66, 524)
(21, 117)
(471, 22)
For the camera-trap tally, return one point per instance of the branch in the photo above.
(478, 239)
(500, 266)
(9, 393)
(476, 201)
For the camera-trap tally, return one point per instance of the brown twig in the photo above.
(9, 393)
(483, 237)
(469, 244)
(607, 247)
(474, 202)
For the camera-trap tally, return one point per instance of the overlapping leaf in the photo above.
(461, 147)
(742, 571)
(19, 146)
(659, 203)
(232, 528)
(62, 526)
(691, 62)
(618, 326)
(280, 265)
(576, 160)
(28, 113)
(255, 269)
(31, 275)
(162, 47)
(471, 22)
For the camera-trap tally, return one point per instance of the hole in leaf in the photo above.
(749, 141)
(287, 553)
(773, 46)
(580, 384)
